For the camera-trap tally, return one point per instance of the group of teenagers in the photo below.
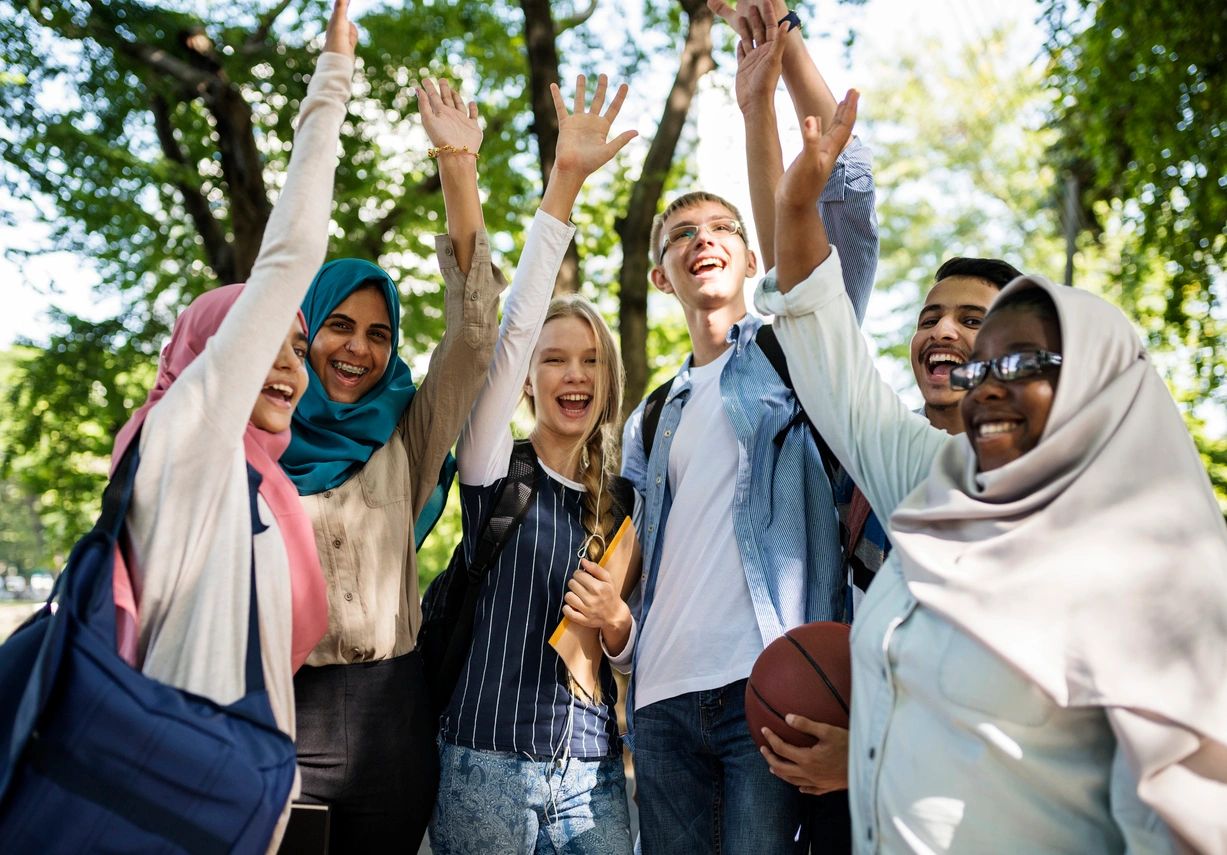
(1038, 664)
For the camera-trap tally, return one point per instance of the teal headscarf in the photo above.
(330, 440)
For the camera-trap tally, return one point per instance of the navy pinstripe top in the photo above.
(512, 694)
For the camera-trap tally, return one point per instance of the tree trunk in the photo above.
(243, 170)
(540, 38)
(635, 228)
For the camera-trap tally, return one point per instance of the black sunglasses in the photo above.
(1007, 368)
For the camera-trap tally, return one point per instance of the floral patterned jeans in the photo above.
(496, 802)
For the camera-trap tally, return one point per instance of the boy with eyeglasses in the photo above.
(739, 530)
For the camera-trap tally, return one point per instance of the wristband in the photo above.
(792, 19)
(447, 148)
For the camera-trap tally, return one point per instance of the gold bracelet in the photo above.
(447, 148)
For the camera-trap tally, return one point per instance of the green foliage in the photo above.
(1143, 127)
(959, 163)
(84, 154)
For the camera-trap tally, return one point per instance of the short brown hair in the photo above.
(686, 200)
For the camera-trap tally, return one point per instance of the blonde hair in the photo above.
(686, 200)
(601, 435)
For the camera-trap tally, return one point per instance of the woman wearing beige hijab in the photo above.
(1041, 665)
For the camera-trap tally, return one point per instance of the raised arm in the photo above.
(886, 449)
(583, 147)
(759, 57)
(806, 86)
(238, 358)
(847, 202)
(455, 137)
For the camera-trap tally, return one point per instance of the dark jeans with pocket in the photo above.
(366, 747)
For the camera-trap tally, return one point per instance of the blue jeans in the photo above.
(496, 802)
(703, 786)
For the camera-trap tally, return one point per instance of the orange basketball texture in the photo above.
(807, 671)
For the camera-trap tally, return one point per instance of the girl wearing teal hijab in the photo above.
(366, 455)
(333, 439)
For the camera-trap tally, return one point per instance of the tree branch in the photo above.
(218, 251)
(260, 34)
(578, 18)
(372, 242)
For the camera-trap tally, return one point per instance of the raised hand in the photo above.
(447, 119)
(341, 36)
(738, 17)
(760, 59)
(803, 181)
(583, 144)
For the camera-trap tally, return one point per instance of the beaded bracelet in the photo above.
(447, 148)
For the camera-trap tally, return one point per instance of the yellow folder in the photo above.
(579, 647)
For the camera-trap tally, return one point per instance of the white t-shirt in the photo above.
(702, 633)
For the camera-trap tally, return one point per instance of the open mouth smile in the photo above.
(348, 373)
(574, 404)
(707, 264)
(279, 394)
(939, 361)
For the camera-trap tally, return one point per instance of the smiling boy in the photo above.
(739, 532)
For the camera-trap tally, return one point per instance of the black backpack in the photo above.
(451, 600)
(770, 346)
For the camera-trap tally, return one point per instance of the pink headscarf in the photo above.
(193, 328)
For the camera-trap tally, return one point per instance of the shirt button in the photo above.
(355, 652)
(472, 296)
(349, 598)
(336, 541)
(668, 433)
(651, 528)
(446, 251)
(657, 479)
(327, 494)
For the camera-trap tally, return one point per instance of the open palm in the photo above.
(803, 181)
(446, 118)
(583, 135)
(760, 61)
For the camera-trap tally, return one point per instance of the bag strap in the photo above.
(254, 661)
(770, 346)
(651, 415)
(514, 499)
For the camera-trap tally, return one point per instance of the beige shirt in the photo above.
(364, 528)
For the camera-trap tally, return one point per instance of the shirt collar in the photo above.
(740, 334)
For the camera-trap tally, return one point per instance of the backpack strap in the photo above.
(770, 346)
(514, 499)
(651, 415)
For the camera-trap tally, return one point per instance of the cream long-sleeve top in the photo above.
(364, 527)
(189, 526)
(951, 749)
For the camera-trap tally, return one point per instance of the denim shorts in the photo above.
(497, 802)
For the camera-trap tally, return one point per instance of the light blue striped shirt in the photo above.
(783, 510)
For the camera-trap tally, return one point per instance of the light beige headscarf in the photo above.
(1096, 563)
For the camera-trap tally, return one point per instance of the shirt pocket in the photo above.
(384, 484)
(973, 677)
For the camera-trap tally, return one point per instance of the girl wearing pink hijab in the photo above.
(227, 385)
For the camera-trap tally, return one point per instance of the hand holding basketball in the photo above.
(820, 768)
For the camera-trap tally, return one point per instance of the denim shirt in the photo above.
(783, 508)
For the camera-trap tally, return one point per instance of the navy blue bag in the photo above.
(97, 757)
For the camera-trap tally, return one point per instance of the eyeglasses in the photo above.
(686, 233)
(1007, 368)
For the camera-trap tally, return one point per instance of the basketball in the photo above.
(807, 671)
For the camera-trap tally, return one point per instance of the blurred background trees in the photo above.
(148, 139)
